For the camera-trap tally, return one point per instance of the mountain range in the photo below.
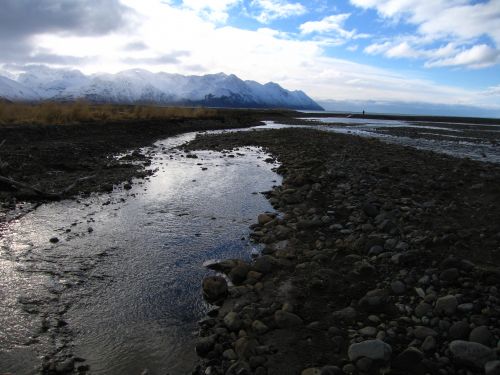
(138, 86)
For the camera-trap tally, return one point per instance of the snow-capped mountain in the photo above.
(14, 91)
(141, 86)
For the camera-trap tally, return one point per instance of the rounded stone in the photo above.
(481, 335)
(471, 353)
(459, 331)
(214, 288)
(398, 287)
(286, 319)
(373, 349)
(446, 305)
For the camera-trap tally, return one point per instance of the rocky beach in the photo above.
(376, 257)
(379, 259)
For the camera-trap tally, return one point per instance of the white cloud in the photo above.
(214, 10)
(478, 56)
(331, 24)
(178, 40)
(327, 24)
(270, 10)
(404, 49)
(461, 22)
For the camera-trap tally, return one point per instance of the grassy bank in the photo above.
(54, 113)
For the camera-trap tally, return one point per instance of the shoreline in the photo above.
(382, 257)
(62, 161)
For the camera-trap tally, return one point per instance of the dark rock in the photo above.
(446, 305)
(214, 289)
(422, 309)
(54, 240)
(263, 264)
(204, 345)
(481, 335)
(264, 219)
(421, 332)
(471, 353)
(330, 370)
(232, 321)
(239, 273)
(286, 319)
(370, 210)
(459, 331)
(347, 314)
(408, 359)
(374, 301)
(398, 287)
(449, 275)
(373, 349)
(245, 347)
(492, 368)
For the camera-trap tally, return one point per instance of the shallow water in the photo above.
(458, 146)
(122, 286)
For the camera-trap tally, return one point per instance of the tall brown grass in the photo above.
(47, 113)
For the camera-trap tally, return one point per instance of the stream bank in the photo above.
(384, 258)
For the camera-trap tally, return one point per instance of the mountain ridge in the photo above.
(139, 86)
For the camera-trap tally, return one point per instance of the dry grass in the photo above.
(51, 113)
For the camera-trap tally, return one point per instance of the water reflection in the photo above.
(121, 288)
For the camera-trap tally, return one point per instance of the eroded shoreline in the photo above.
(381, 244)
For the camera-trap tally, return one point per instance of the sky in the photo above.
(440, 51)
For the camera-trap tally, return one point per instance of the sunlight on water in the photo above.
(121, 288)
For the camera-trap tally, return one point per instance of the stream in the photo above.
(113, 280)
(122, 286)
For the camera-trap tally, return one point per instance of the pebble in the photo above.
(311, 371)
(422, 309)
(398, 287)
(459, 331)
(408, 359)
(368, 331)
(373, 349)
(204, 345)
(214, 288)
(481, 335)
(429, 344)
(446, 305)
(449, 275)
(259, 327)
(421, 332)
(492, 368)
(331, 370)
(286, 319)
(264, 219)
(348, 314)
(232, 321)
(230, 354)
(471, 353)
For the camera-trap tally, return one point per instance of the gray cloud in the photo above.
(136, 46)
(23, 18)
(170, 58)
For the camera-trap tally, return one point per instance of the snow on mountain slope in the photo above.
(48, 82)
(14, 91)
(141, 86)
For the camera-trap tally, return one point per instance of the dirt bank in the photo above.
(52, 157)
(384, 258)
